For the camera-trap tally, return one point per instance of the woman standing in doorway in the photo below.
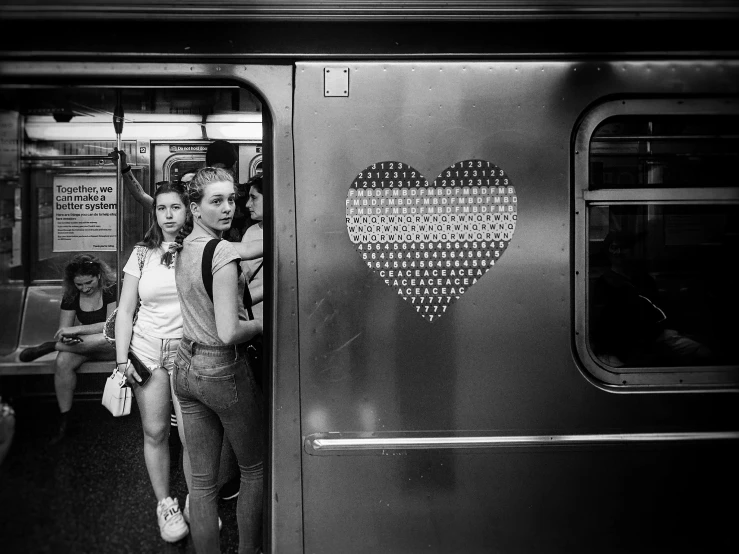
(253, 269)
(213, 382)
(153, 339)
(255, 235)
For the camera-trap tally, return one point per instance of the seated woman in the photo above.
(89, 297)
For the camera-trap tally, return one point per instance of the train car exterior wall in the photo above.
(480, 430)
(500, 360)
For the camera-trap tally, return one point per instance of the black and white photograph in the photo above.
(355, 277)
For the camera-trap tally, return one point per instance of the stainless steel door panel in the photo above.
(500, 360)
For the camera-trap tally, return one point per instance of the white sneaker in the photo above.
(172, 526)
(186, 513)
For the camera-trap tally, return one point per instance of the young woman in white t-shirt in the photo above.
(154, 339)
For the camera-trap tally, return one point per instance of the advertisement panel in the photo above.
(84, 212)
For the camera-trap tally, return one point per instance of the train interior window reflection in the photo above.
(662, 235)
(10, 196)
(687, 151)
(662, 289)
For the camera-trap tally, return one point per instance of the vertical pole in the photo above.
(118, 126)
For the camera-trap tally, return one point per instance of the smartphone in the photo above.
(143, 371)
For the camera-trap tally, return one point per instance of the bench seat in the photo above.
(39, 322)
(45, 366)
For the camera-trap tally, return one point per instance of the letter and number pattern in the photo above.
(431, 241)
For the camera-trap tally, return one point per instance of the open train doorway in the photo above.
(61, 189)
(57, 144)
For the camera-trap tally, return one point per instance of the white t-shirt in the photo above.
(159, 314)
(254, 233)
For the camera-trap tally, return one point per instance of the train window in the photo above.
(656, 236)
(664, 151)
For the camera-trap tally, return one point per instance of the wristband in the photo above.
(121, 363)
(126, 169)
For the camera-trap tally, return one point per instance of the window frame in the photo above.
(637, 379)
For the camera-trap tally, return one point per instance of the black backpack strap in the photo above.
(248, 301)
(206, 271)
(257, 271)
(207, 267)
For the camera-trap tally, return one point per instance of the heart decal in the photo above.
(431, 242)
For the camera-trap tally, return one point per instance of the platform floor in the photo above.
(90, 493)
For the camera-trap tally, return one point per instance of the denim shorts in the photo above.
(155, 352)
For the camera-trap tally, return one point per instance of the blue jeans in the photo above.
(218, 394)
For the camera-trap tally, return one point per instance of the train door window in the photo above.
(656, 235)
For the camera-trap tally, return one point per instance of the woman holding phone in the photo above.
(88, 298)
(151, 342)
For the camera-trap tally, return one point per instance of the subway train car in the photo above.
(501, 314)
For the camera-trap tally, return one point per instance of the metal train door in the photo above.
(442, 405)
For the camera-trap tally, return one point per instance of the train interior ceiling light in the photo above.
(142, 126)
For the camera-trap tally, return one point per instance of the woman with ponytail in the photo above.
(154, 338)
(214, 385)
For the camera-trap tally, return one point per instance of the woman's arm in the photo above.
(124, 319)
(226, 300)
(91, 329)
(66, 324)
(257, 294)
(136, 190)
(249, 250)
(130, 182)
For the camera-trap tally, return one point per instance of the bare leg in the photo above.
(153, 401)
(65, 378)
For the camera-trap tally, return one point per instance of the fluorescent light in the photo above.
(146, 127)
(234, 126)
(234, 131)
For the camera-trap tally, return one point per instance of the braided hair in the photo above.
(196, 190)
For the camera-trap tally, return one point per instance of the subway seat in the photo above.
(37, 323)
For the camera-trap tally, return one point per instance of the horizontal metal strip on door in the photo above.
(340, 443)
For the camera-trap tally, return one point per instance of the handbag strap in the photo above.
(206, 270)
(141, 256)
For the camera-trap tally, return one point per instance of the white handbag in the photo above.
(117, 394)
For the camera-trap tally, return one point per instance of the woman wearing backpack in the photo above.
(215, 387)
